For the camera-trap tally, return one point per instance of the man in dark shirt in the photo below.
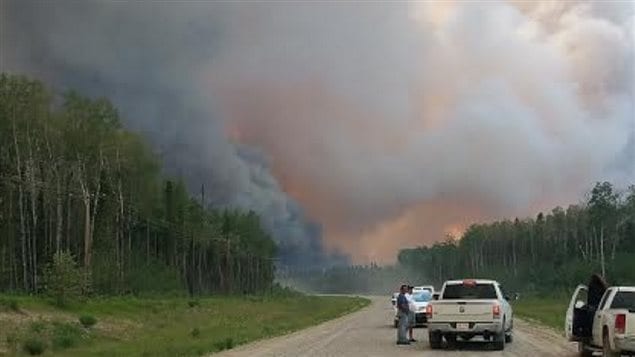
(403, 309)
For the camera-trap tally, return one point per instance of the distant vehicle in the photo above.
(468, 308)
(418, 289)
(606, 323)
(393, 300)
(421, 300)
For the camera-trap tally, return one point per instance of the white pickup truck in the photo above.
(468, 308)
(608, 326)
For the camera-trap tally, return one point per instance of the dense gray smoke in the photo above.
(147, 57)
(392, 124)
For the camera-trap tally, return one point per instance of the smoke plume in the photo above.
(391, 124)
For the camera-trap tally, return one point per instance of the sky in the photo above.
(356, 127)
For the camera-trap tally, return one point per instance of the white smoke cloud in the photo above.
(374, 111)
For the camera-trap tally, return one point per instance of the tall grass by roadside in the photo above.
(549, 311)
(129, 326)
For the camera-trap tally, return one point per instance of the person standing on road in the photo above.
(403, 310)
(412, 308)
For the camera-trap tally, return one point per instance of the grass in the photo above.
(165, 327)
(549, 311)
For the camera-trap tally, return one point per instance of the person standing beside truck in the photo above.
(412, 308)
(403, 310)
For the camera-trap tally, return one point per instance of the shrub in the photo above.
(37, 326)
(34, 346)
(11, 304)
(65, 335)
(64, 280)
(12, 341)
(87, 320)
(195, 332)
(226, 344)
(229, 343)
(220, 345)
(193, 303)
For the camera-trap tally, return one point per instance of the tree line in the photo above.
(548, 254)
(553, 251)
(354, 279)
(72, 179)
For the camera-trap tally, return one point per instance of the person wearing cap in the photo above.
(403, 309)
(412, 307)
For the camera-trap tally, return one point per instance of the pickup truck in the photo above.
(608, 325)
(418, 289)
(468, 308)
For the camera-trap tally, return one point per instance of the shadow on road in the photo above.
(469, 346)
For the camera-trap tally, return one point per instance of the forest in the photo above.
(547, 255)
(73, 181)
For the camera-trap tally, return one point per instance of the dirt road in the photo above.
(369, 333)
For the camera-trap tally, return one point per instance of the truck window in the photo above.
(624, 300)
(470, 291)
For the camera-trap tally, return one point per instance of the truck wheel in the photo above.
(451, 340)
(499, 339)
(584, 350)
(509, 336)
(435, 339)
(606, 346)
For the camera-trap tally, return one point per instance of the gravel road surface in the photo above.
(369, 333)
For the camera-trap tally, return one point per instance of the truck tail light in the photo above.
(496, 311)
(429, 311)
(620, 324)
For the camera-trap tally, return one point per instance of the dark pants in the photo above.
(402, 330)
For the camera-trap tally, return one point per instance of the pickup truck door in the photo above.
(598, 319)
(576, 299)
(506, 307)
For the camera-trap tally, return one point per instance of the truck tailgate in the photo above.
(463, 310)
(630, 324)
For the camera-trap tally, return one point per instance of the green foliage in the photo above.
(370, 279)
(550, 254)
(226, 344)
(34, 346)
(172, 331)
(37, 326)
(64, 280)
(87, 320)
(12, 341)
(11, 304)
(154, 278)
(193, 303)
(65, 335)
(80, 182)
(549, 311)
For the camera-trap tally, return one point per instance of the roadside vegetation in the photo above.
(129, 326)
(549, 311)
